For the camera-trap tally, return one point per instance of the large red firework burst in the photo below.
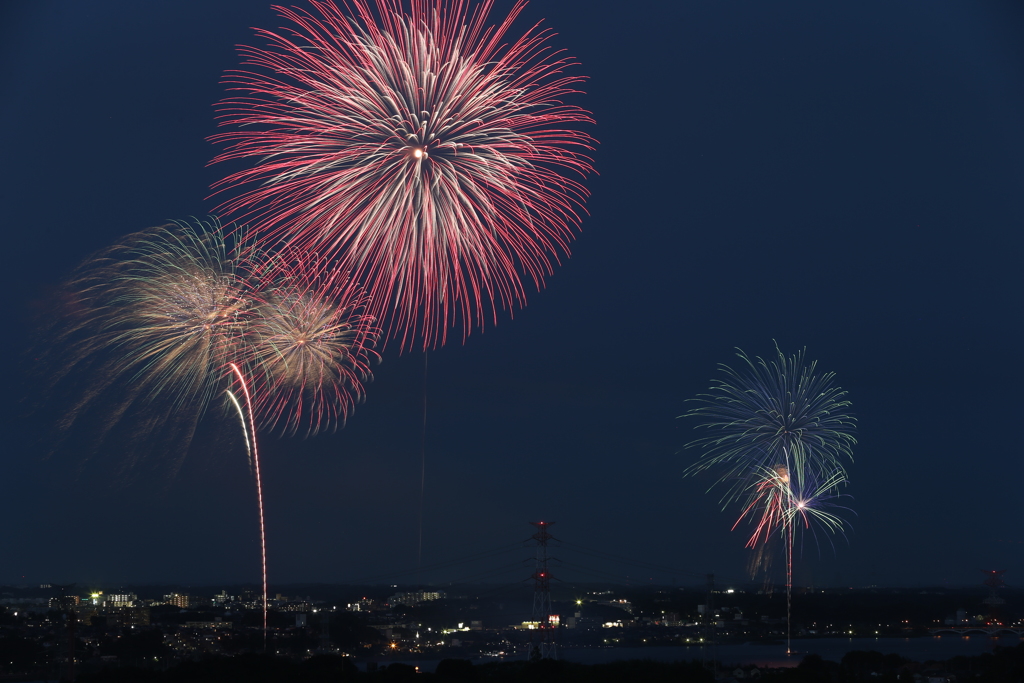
(406, 141)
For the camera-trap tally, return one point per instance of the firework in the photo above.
(169, 309)
(769, 414)
(309, 351)
(178, 317)
(175, 310)
(774, 505)
(151, 323)
(432, 158)
(780, 434)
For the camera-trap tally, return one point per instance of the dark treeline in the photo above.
(324, 668)
(1005, 665)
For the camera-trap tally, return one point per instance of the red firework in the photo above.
(404, 140)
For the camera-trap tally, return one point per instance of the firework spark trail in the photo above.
(424, 154)
(789, 588)
(769, 497)
(245, 430)
(259, 488)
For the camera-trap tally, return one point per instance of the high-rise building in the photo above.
(121, 600)
(180, 600)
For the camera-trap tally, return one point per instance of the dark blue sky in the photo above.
(842, 176)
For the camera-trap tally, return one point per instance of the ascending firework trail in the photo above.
(423, 469)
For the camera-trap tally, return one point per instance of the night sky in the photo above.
(845, 177)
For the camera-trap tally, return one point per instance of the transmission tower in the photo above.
(543, 645)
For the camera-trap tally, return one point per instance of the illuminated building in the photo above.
(179, 600)
(121, 600)
(415, 597)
